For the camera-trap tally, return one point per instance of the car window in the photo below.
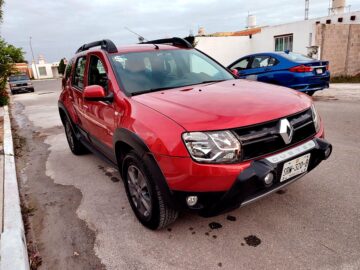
(242, 64)
(68, 69)
(18, 78)
(78, 79)
(147, 71)
(296, 57)
(260, 61)
(97, 73)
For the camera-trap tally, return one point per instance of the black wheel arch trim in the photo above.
(122, 135)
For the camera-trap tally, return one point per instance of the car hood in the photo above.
(226, 104)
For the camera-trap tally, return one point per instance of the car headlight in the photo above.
(212, 147)
(315, 117)
(29, 83)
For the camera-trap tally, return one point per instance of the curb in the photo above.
(13, 250)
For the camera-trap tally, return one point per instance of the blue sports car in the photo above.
(288, 69)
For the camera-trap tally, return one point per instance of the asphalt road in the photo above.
(80, 217)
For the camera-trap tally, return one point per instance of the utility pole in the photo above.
(32, 53)
(307, 9)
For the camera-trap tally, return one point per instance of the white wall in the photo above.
(224, 49)
(228, 49)
(49, 73)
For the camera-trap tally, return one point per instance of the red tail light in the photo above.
(301, 68)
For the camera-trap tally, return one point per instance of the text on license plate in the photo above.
(294, 167)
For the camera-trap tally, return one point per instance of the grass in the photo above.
(346, 79)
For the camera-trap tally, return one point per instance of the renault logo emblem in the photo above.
(286, 130)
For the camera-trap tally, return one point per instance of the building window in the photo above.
(283, 43)
(340, 20)
(42, 71)
(353, 18)
(328, 21)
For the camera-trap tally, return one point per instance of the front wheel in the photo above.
(74, 143)
(144, 195)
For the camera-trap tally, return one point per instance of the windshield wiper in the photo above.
(149, 91)
(211, 81)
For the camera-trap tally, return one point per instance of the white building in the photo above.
(43, 70)
(295, 36)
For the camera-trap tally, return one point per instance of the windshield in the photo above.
(18, 78)
(142, 72)
(297, 57)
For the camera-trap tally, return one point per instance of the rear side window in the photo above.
(263, 61)
(242, 64)
(78, 79)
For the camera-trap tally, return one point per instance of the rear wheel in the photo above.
(74, 143)
(144, 195)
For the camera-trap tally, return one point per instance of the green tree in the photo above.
(9, 55)
(61, 67)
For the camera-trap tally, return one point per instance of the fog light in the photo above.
(191, 200)
(269, 178)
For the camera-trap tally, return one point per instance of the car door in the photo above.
(100, 115)
(261, 68)
(77, 87)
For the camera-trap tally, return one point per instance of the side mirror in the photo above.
(235, 72)
(97, 93)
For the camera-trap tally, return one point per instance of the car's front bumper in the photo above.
(22, 88)
(249, 184)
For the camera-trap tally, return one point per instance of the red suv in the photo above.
(183, 131)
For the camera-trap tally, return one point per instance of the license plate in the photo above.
(295, 167)
(319, 71)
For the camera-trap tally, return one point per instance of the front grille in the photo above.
(21, 84)
(263, 139)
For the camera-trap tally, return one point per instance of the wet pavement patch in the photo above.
(231, 218)
(220, 264)
(281, 191)
(215, 225)
(252, 240)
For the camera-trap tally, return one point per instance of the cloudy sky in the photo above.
(58, 28)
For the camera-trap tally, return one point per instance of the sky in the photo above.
(59, 28)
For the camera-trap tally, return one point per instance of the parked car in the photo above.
(20, 83)
(183, 132)
(288, 69)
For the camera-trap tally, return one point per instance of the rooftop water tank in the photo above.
(338, 6)
(251, 21)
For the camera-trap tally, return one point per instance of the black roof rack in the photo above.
(175, 41)
(105, 44)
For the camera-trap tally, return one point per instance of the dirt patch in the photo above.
(252, 240)
(56, 237)
(215, 225)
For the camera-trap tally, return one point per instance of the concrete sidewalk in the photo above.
(13, 249)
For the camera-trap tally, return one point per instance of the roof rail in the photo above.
(175, 41)
(105, 44)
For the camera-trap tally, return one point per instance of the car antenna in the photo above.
(140, 37)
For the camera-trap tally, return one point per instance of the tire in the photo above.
(13, 92)
(32, 90)
(157, 214)
(76, 147)
(310, 93)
